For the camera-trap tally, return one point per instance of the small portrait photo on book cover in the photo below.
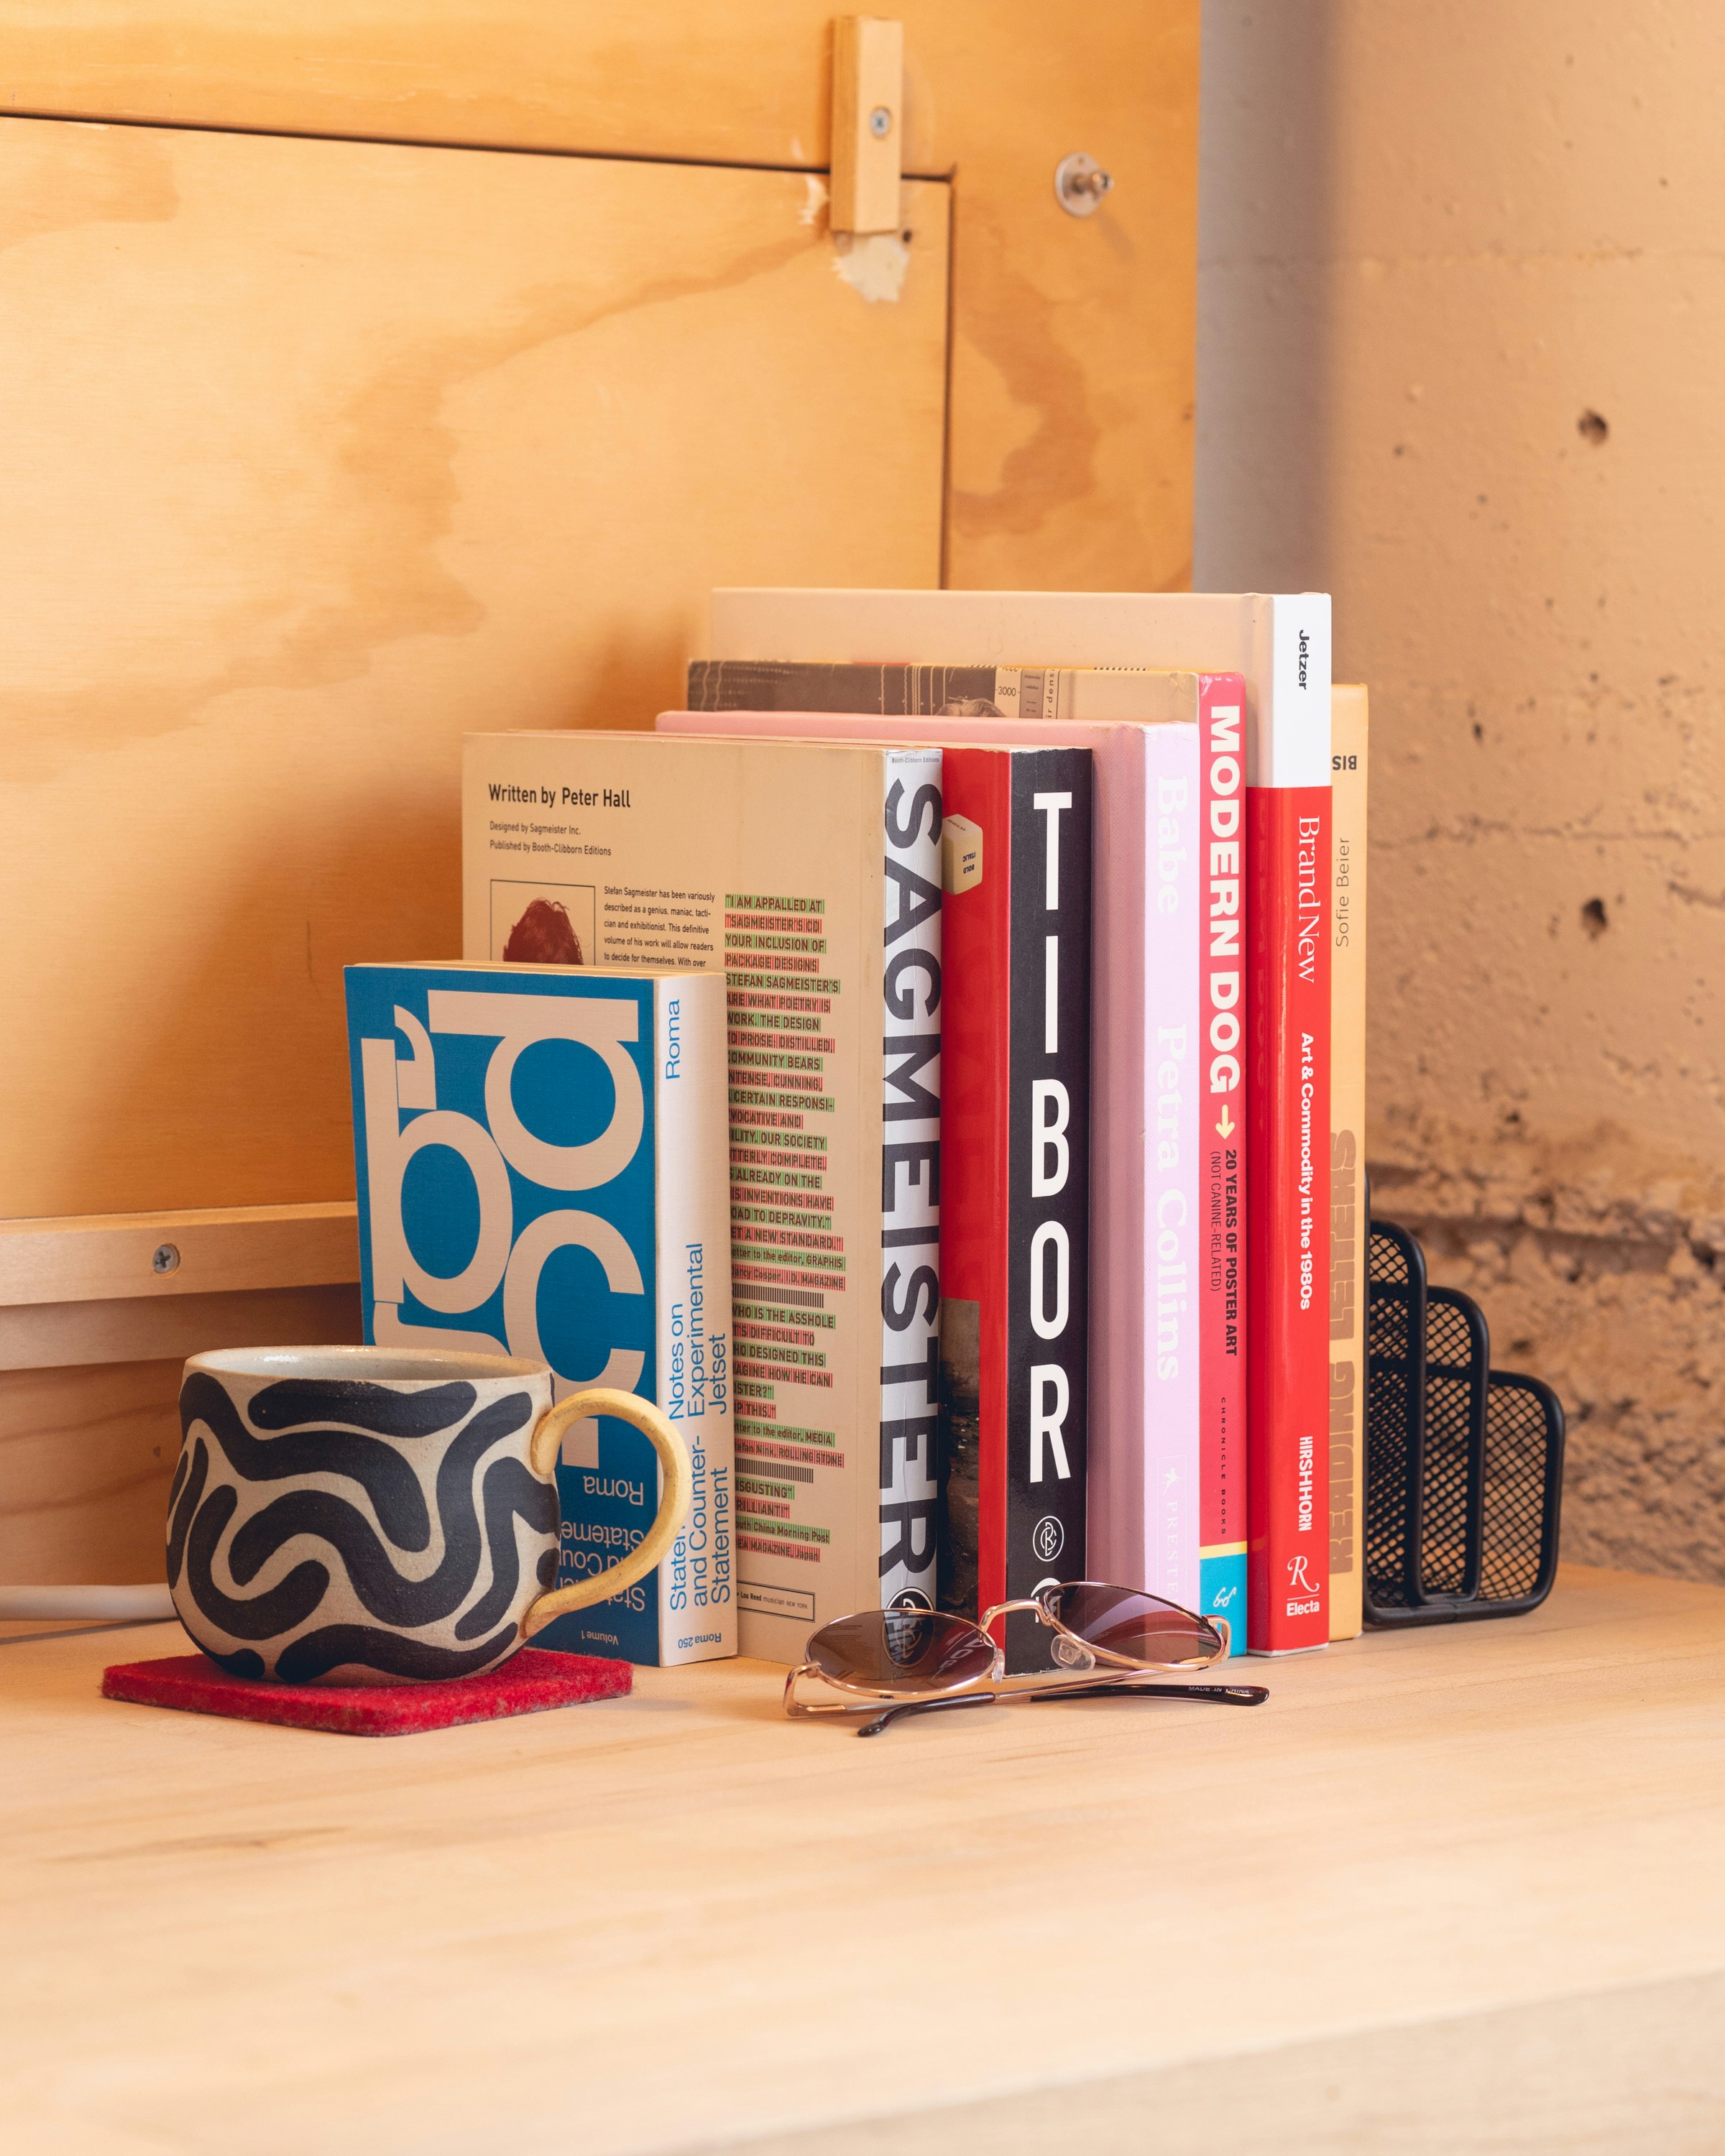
(544, 924)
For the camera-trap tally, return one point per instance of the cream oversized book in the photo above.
(810, 872)
(1280, 645)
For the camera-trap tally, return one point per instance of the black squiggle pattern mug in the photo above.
(361, 1515)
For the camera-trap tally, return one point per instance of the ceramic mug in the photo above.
(365, 1515)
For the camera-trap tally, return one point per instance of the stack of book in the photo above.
(1042, 923)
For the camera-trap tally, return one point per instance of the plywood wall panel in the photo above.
(1073, 384)
(336, 451)
(748, 83)
(86, 1456)
(1073, 377)
(323, 451)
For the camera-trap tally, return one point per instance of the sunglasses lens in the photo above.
(1124, 1620)
(901, 1651)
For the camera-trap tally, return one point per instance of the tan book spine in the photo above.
(1348, 1226)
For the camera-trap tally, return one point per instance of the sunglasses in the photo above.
(922, 1661)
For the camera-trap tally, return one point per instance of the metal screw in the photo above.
(881, 121)
(164, 1258)
(1080, 184)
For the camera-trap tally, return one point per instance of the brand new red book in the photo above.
(1288, 1123)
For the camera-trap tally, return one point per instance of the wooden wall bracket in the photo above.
(868, 123)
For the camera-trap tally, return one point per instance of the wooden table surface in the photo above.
(1449, 1890)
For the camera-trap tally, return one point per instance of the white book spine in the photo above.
(698, 1600)
(1288, 670)
(910, 1182)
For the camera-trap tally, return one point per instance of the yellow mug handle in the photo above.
(543, 1448)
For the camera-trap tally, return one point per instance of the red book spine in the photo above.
(1223, 1326)
(975, 1064)
(1288, 1121)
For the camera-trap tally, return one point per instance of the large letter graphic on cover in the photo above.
(569, 1230)
(390, 1148)
(519, 1023)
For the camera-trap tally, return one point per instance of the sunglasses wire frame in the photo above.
(1070, 1652)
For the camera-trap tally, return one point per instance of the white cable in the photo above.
(116, 1604)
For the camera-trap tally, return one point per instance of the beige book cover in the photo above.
(810, 872)
(1348, 1224)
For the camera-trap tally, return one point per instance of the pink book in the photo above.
(1150, 1200)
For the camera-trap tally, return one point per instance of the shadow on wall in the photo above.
(1461, 288)
(1267, 147)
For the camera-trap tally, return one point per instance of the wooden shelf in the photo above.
(90, 1288)
(219, 1250)
(1448, 1889)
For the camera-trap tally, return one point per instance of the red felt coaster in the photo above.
(528, 1683)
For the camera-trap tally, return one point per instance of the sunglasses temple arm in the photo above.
(1110, 1688)
(1214, 1694)
(926, 1707)
(804, 1710)
(801, 1709)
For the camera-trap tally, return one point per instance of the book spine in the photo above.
(1124, 956)
(1167, 1419)
(976, 1010)
(1288, 1121)
(910, 1157)
(1224, 1198)
(697, 1602)
(1349, 1225)
(734, 685)
(1048, 1209)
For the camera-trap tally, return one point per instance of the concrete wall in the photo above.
(1462, 363)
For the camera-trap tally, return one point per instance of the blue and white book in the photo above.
(543, 1171)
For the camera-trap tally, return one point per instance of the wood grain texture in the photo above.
(1073, 375)
(95, 1256)
(1358, 1918)
(337, 451)
(1635, 2067)
(50, 1336)
(86, 1456)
